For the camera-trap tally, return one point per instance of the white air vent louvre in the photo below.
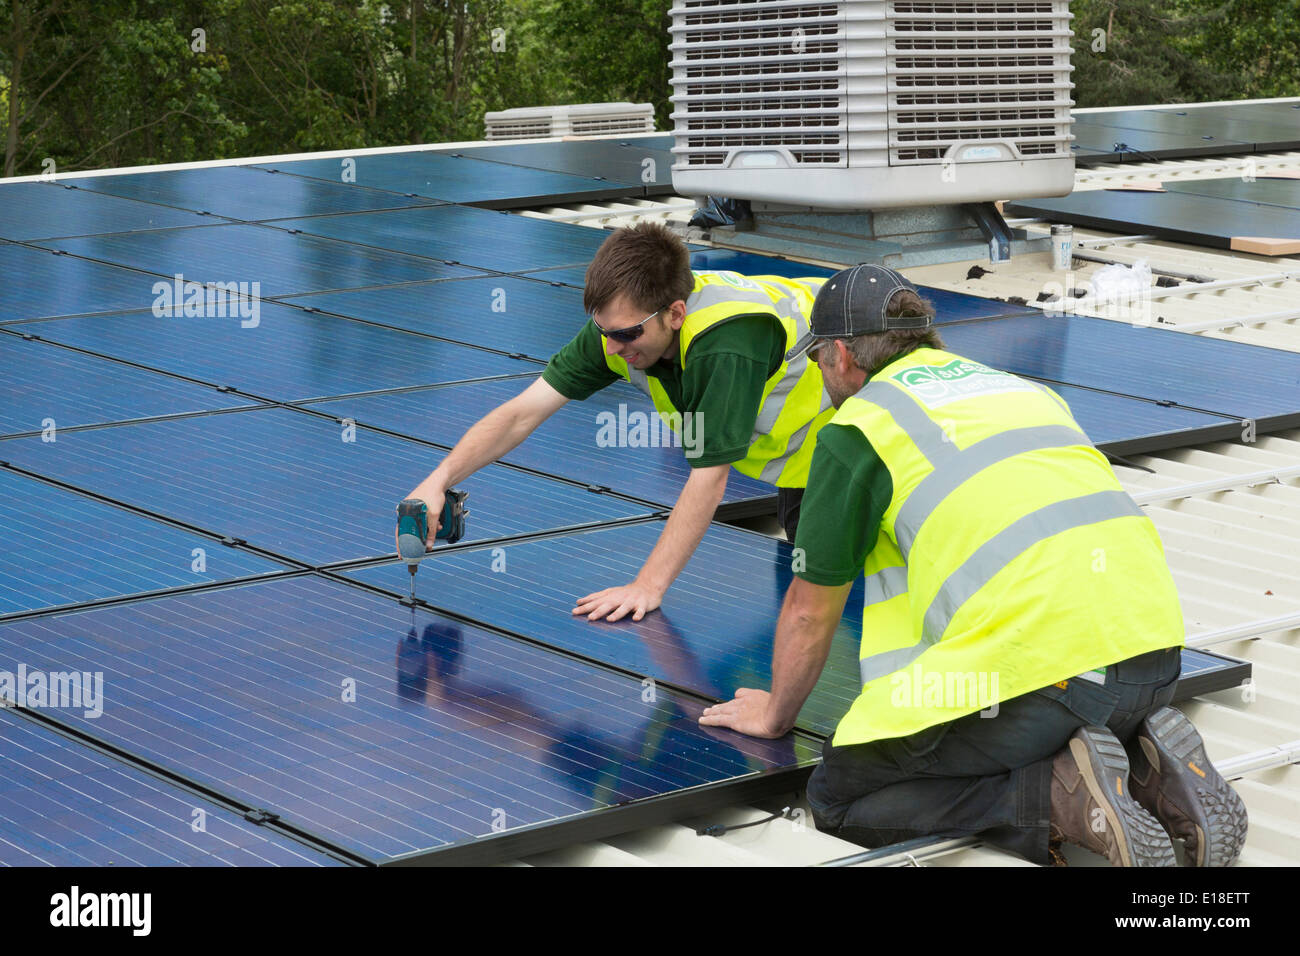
(586, 119)
(981, 40)
(764, 88)
(758, 74)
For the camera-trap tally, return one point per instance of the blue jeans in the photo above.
(975, 775)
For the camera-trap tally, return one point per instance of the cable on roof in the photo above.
(718, 829)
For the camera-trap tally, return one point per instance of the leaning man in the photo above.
(1020, 628)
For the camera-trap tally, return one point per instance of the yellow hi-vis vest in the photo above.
(1009, 558)
(794, 406)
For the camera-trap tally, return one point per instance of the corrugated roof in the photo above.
(1229, 535)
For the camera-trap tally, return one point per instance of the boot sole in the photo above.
(1186, 779)
(1103, 763)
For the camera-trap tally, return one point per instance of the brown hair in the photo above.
(873, 350)
(647, 262)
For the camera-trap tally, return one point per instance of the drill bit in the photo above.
(412, 568)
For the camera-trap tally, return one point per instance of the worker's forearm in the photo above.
(487, 440)
(799, 652)
(685, 527)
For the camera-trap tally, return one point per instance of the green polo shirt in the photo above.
(723, 382)
(849, 490)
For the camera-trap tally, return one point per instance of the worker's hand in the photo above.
(433, 497)
(637, 598)
(746, 713)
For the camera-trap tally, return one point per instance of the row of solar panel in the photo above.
(254, 690)
(1259, 215)
(386, 733)
(1174, 132)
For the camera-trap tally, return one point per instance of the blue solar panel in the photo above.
(949, 306)
(283, 353)
(44, 384)
(64, 804)
(281, 263)
(61, 285)
(292, 483)
(622, 161)
(568, 444)
(41, 210)
(244, 192)
(1125, 426)
(712, 635)
(116, 552)
(440, 175)
(1227, 378)
(475, 237)
(501, 312)
(330, 707)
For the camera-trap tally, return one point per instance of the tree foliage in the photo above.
(96, 83)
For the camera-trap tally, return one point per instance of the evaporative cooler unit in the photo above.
(862, 106)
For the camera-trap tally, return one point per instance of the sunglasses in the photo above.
(629, 334)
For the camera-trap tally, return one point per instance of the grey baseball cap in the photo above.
(853, 302)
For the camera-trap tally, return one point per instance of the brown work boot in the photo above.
(1091, 806)
(1174, 780)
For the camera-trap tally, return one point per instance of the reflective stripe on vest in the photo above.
(1008, 548)
(794, 403)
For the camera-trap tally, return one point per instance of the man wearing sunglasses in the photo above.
(711, 345)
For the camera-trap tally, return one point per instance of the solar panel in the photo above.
(712, 635)
(64, 804)
(47, 388)
(499, 312)
(949, 306)
(1099, 138)
(117, 552)
(383, 731)
(620, 161)
(475, 237)
(1270, 192)
(1122, 425)
(579, 442)
(41, 210)
(1222, 125)
(1225, 378)
(281, 352)
(1177, 217)
(439, 175)
(1205, 673)
(282, 263)
(244, 192)
(61, 285)
(294, 483)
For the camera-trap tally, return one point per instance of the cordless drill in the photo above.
(413, 527)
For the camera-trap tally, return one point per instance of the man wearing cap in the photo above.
(709, 349)
(1020, 627)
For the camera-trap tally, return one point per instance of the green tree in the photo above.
(1130, 52)
(611, 50)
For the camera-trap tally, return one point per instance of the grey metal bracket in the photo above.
(994, 227)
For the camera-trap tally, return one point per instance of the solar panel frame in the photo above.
(284, 353)
(100, 796)
(249, 475)
(173, 704)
